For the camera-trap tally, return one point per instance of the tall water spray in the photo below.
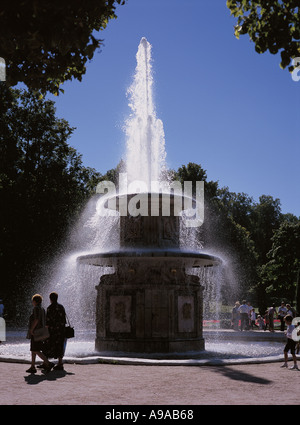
(145, 154)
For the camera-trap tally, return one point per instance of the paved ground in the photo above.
(262, 383)
(111, 384)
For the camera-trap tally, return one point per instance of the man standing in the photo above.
(282, 312)
(250, 308)
(236, 316)
(271, 312)
(243, 310)
(1, 308)
(2, 323)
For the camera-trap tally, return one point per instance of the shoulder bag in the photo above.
(69, 330)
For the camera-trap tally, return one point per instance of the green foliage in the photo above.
(261, 243)
(46, 43)
(279, 274)
(239, 206)
(194, 172)
(43, 183)
(271, 25)
(265, 219)
(113, 174)
(223, 231)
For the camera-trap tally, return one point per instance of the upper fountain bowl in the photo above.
(151, 233)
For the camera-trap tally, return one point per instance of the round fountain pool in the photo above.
(218, 350)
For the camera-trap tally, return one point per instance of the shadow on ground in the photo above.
(238, 375)
(34, 379)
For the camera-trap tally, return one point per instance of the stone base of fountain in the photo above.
(149, 309)
(149, 303)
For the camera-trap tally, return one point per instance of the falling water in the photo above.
(145, 156)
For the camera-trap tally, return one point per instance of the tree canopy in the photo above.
(260, 243)
(43, 184)
(272, 25)
(280, 273)
(46, 43)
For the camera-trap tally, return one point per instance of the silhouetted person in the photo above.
(56, 321)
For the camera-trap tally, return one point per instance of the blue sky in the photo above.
(223, 106)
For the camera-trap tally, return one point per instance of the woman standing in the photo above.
(36, 322)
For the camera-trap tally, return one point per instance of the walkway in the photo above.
(108, 384)
(153, 383)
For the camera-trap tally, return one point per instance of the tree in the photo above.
(194, 172)
(113, 174)
(43, 185)
(238, 205)
(265, 219)
(46, 43)
(222, 235)
(272, 25)
(280, 273)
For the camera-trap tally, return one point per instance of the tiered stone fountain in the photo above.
(149, 304)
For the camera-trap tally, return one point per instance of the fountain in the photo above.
(150, 296)
(149, 303)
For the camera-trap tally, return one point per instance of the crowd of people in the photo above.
(244, 315)
(54, 319)
(245, 318)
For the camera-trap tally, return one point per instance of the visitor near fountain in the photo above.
(282, 312)
(2, 323)
(266, 319)
(250, 308)
(290, 344)
(55, 345)
(290, 310)
(1, 308)
(260, 322)
(36, 322)
(244, 313)
(253, 319)
(236, 316)
(271, 313)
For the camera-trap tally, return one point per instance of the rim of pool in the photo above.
(221, 347)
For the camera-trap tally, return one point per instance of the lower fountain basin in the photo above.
(149, 303)
(221, 348)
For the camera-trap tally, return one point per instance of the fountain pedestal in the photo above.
(149, 309)
(150, 304)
